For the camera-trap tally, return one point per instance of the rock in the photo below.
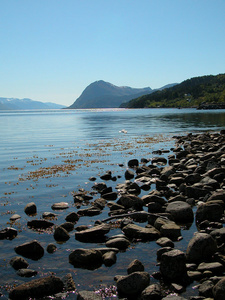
(218, 235)
(208, 211)
(51, 248)
(8, 233)
(110, 196)
(106, 176)
(39, 224)
(161, 251)
(32, 250)
(206, 289)
(152, 292)
(133, 163)
(170, 230)
(61, 234)
(18, 263)
(137, 232)
(60, 206)
(153, 198)
(90, 211)
(173, 265)
(135, 266)
(128, 174)
(215, 267)
(201, 247)
(181, 212)
(109, 258)
(174, 297)
(159, 161)
(88, 295)
(92, 233)
(133, 284)
(30, 208)
(72, 217)
(165, 242)
(177, 288)
(119, 243)
(69, 284)
(26, 272)
(37, 288)
(69, 226)
(195, 192)
(49, 215)
(99, 186)
(15, 217)
(219, 290)
(131, 201)
(90, 259)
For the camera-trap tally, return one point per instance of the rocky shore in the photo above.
(177, 189)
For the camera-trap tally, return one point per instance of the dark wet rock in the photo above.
(18, 263)
(92, 178)
(69, 226)
(15, 217)
(171, 230)
(60, 206)
(106, 176)
(37, 288)
(208, 211)
(49, 215)
(133, 284)
(165, 242)
(217, 195)
(81, 227)
(135, 266)
(153, 198)
(51, 248)
(192, 178)
(161, 251)
(30, 208)
(8, 233)
(133, 188)
(215, 267)
(167, 171)
(219, 290)
(181, 212)
(218, 235)
(173, 265)
(119, 242)
(153, 292)
(72, 217)
(109, 258)
(174, 297)
(92, 233)
(133, 163)
(195, 192)
(206, 289)
(88, 295)
(32, 250)
(100, 186)
(26, 272)
(201, 247)
(103, 250)
(110, 196)
(128, 174)
(154, 207)
(99, 203)
(177, 198)
(114, 206)
(131, 201)
(106, 190)
(69, 284)
(137, 232)
(177, 288)
(90, 259)
(195, 275)
(39, 224)
(90, 211)
(159, 160)
(210, 182)
(61, 234)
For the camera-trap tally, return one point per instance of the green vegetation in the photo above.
(189, 93)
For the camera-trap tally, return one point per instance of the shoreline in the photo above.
(178, 178)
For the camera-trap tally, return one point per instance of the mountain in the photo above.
(189, 93)
(23, 104)
(101, 94)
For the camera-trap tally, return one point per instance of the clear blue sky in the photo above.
(50, 50)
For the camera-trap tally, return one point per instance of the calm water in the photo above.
(37, 151)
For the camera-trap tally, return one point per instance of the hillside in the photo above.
(189, 93)
(23, 104)
(101, 94)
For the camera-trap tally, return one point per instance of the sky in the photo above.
(51, 50)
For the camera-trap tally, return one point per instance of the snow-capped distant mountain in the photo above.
(26, 103)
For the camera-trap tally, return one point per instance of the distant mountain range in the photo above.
(101, 94)
(23, 104)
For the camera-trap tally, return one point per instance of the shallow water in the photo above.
(45, 156)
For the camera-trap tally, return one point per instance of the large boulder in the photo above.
(137, 232)
(201, 247)
(219, 290)
(32, 250)
(90, 259)
(181, 212)
(173, 265)
(208, 211)
(133, 284)
(37, 288)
